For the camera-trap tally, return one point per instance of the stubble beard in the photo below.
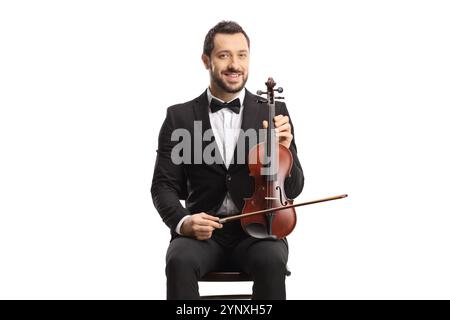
(222, 85)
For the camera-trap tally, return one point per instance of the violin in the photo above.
(269, 164)
(269, 213)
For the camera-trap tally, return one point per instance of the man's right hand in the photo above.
(200, 226)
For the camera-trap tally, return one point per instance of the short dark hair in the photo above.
(228, 27)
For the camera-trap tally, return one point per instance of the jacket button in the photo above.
(228, 177)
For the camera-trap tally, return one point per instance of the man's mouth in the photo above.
(232, 76)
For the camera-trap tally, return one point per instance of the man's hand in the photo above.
(282, 129)
(200, 226)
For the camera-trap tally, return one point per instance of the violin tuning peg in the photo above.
(279, 89)
(260, 92)
(279, 97)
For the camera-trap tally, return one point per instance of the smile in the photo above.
(232, 75)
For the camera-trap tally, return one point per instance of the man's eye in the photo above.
(224, 55)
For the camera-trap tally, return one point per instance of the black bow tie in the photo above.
(234, 105)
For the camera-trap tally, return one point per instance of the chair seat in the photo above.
(226, 276)
(230, 276)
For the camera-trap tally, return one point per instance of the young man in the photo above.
(199, 243)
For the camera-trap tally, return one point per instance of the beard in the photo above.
(222, 85)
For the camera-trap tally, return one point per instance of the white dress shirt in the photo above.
(226, 126)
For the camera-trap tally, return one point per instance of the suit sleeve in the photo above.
(169, 179)
(293, 185)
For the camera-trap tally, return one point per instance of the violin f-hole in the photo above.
(283, 202)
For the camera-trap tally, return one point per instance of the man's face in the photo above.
(228, 63)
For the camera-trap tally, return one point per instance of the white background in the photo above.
(84, 86)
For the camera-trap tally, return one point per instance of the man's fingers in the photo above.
(200, 228)
(284, 127)
(209, 217)
(284, 134)
(281, 121)
(203, 235)
(285, 137)
(278, 117)
(206, 220)
(210, 223)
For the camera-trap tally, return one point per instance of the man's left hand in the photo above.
(282, 129)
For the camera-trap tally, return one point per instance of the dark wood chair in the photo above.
(228, 276)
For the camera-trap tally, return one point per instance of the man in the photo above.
(201, 244)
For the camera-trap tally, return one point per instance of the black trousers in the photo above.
(230, 248)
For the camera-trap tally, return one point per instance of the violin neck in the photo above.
(271, 145)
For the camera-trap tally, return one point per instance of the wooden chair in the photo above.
(228, 276)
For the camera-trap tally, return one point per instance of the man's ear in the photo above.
(205, 60)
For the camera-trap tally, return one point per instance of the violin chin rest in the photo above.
(259, 231)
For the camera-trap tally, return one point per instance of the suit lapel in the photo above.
(251, 111)
(201, 110)
(250, 120)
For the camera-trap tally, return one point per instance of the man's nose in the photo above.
(233, 63)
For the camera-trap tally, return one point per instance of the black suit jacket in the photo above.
(204, 186)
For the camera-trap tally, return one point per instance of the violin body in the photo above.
(269, 193)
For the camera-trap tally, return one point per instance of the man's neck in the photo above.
(223, 95)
